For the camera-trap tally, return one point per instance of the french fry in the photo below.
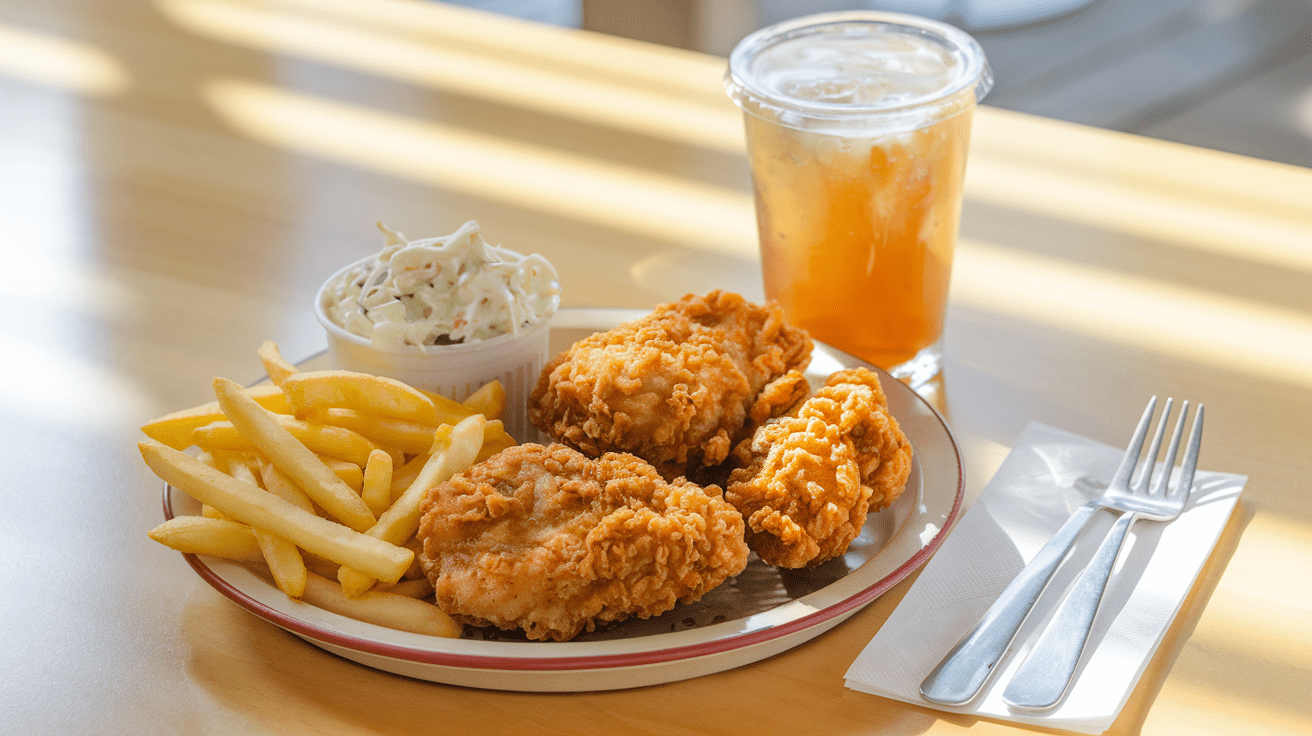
(321, 566)
(277, 483)
(209, 512)
(403, 476)
(274, 364)
(411, 438)
(258, 507)
(238, 466)
(199, 535)
(449, 411)
(350, 473)
(291, 457)
(321, 439)
(490, 400)
(416, 588)
(284, 562)
(454, 450)
(384, 609)
(281, 556)
(308, 474)
(175, 429)
(495, 439)
(315, 391)
(377, 490)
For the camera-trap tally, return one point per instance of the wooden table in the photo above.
(178, 176)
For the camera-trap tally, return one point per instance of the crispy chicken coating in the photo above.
(550, 541)
(674, 387)
(805, 482)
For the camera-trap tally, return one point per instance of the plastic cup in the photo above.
(455, 371)
(857, 128)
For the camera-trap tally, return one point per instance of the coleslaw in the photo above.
(442, 291)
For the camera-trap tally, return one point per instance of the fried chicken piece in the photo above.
(806, 481)
(674, 387)
(779, 398)
(550, 541)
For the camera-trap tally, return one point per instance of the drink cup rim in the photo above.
(975, 72)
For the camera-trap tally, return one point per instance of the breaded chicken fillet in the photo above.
(805, 481)
(552, 542)
(674, 387)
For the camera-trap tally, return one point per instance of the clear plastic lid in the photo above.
(837, 68)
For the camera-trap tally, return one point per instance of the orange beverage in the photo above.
(857, 129)
(857, 234)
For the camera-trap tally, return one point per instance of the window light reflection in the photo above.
(1203, 208)
(65, 388)
(1204, 327)
(623, 106)
(1236, 625)
(532, 177)
(601, 55)
(1271, 535)
(57, 62)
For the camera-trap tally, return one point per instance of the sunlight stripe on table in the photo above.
(63, 63)
(1188, 323)
(517, 83)
(1190, 198)
(1212, 677)
(1258, 566)
(533, 177)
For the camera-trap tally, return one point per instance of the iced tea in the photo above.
(857, 129)
(857, 233)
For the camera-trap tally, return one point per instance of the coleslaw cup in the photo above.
(455, 371)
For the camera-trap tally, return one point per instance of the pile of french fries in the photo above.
(320, 475)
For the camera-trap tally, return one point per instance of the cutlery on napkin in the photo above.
(1047, 475)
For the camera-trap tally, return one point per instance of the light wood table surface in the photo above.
(177, 177)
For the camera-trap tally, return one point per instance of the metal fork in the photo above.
(962, 673)
(1047, 672)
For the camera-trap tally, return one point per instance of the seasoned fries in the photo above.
(319, 475)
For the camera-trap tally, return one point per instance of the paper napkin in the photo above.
(1046, 476)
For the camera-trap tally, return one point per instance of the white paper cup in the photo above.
(455, 371)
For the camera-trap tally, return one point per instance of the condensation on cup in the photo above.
(857, 129)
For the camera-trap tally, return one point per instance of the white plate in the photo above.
(761, 612)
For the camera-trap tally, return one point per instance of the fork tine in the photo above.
(1150, 460)
(1122, 477)
(1190, 462)
(1164, 478)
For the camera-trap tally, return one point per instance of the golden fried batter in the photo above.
(805, 481)
(674, 387)
(550, 541)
